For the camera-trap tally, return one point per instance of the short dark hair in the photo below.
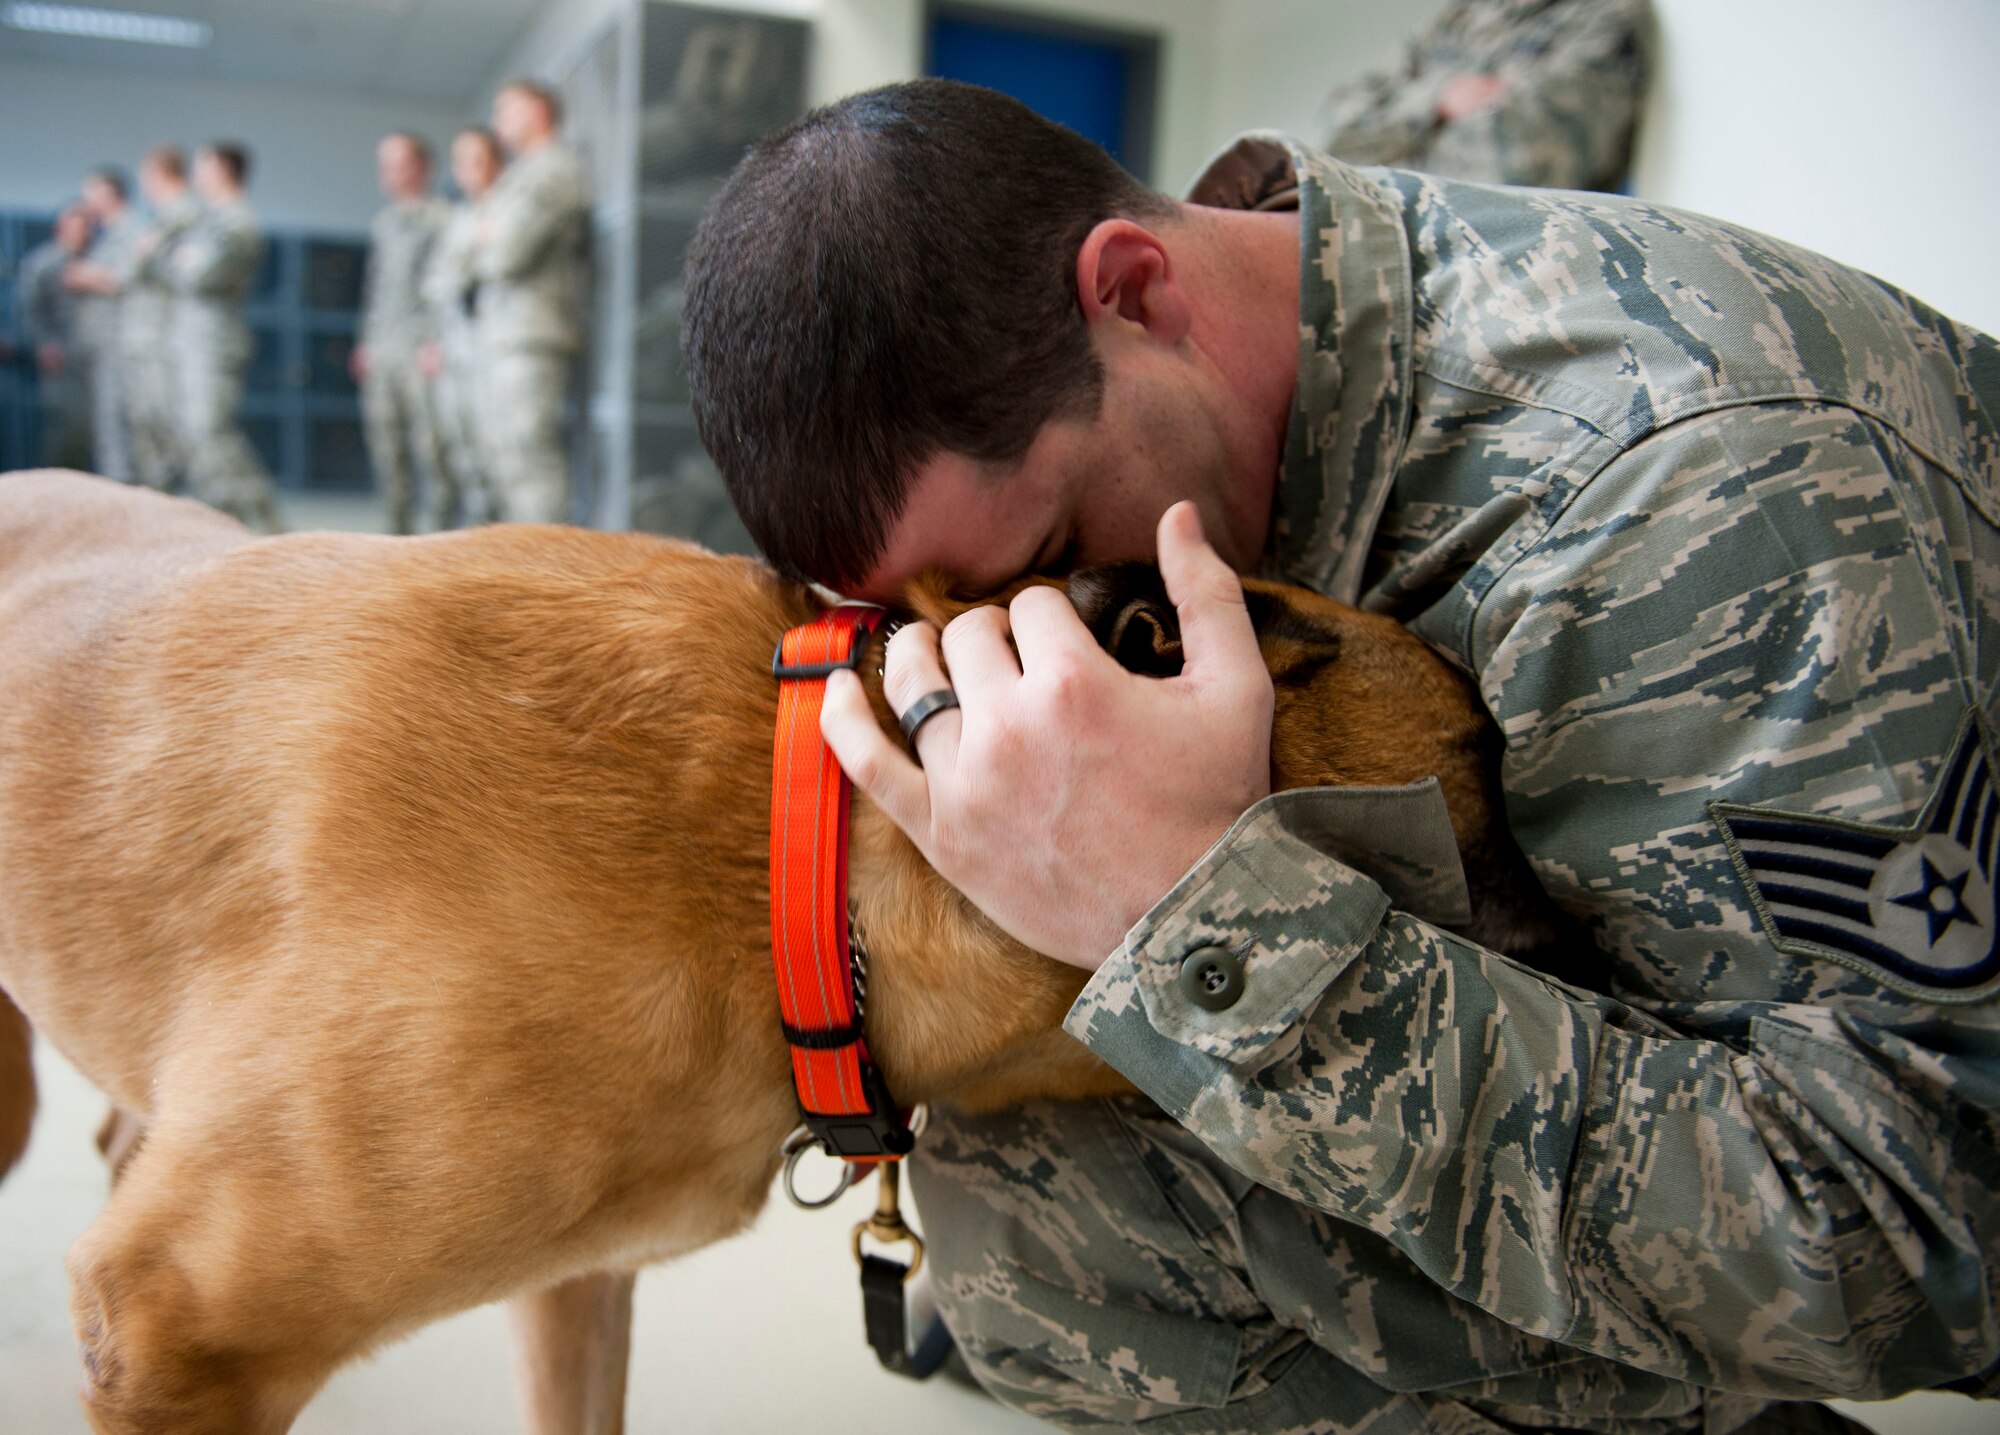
(112, 178)
(232, 156)
(891, 278)
(550, 100)
(169, 159)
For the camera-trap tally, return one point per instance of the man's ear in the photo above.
(1123, 271)
(1126, 608)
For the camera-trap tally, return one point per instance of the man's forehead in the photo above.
(980, 523)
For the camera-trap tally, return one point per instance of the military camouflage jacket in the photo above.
(1711, 522)
(396, 317)
(1575, 73)
(98, 314)
(450, 281)
(214, 264)
(533, 267)
(146, 294)
(47, 305)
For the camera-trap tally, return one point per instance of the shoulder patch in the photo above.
(1914, 907)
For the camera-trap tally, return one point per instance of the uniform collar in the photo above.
(1351, 406)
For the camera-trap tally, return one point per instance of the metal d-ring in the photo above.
(796, 1145)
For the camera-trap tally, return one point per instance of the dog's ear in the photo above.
(1125, 606)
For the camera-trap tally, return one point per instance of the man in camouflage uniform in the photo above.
(532, 258)
(1544, 92)
(1711, 522)
(98, 282)
(451, 288)
(214, 264)
(397, 321)
(49, 325)
(149, 372)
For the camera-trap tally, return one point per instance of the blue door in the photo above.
(1097, 82)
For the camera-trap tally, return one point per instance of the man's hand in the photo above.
(357, 363)
(51, 360)
(82, 276)
(430, 359)
(1468, 95)
(1066, 795)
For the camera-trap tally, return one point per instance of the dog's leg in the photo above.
(570, 1344)
(192, 1313)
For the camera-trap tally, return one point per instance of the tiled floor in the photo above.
(760, 1334)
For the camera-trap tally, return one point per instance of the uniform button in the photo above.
(1212, 977)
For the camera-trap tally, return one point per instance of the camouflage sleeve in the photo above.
(1383, 118)
(1567, 117)
(428, 317)
(225, 260)
(527, 220)
(1792, 1192)
(39, 298)
(128, 261)
(448, 268)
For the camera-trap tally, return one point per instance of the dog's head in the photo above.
(1360, 702)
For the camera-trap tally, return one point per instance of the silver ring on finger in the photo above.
(923, 710)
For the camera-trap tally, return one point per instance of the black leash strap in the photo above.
(885, 1310)
(885, 1288)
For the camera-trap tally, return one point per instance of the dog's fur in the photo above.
(410, 895)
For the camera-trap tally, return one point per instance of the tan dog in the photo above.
(411, 895)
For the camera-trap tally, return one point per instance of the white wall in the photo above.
(313, 150)
(1860, 128)
(1276, 61)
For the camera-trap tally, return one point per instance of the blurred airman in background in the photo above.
(397, 322)
(452, 357)
(214, 265)
(532, 251)
(49, 325)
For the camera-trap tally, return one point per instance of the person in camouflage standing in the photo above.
(1542, 92)
(532, 256)
(97, 280)
(214, 265)
(49, 324)
(149, 374)
(452, 359)
(397, 322)
(1712, 522)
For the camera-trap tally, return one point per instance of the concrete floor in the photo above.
(759, 1334)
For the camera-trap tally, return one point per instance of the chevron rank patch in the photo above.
(1913, 907)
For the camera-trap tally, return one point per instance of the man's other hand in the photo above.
(1468, 95)
(1065, 796)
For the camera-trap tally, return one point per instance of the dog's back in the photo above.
(73, 551)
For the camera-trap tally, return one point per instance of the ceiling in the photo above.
(436, 49)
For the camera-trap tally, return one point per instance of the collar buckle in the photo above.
(877, 1134)
(786, 672)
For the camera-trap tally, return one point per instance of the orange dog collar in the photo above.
(843, 1100)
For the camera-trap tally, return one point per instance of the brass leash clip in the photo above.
(887, 1224)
